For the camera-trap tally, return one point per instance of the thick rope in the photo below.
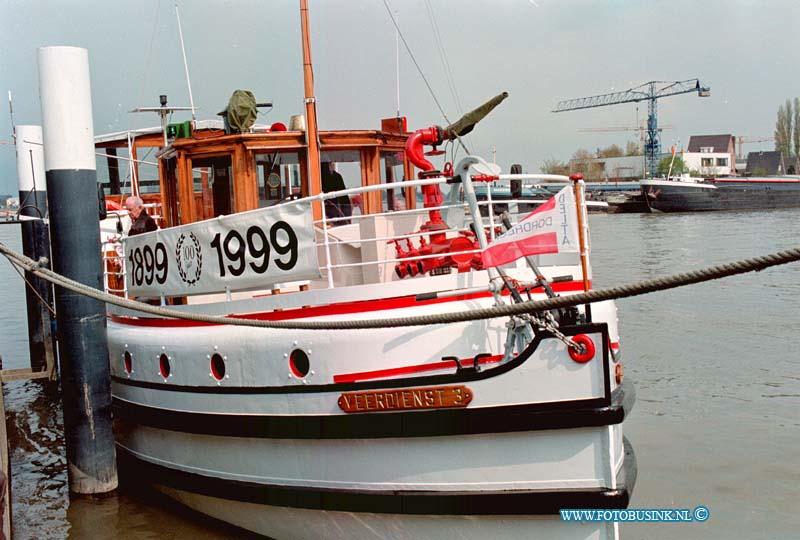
(653, 285)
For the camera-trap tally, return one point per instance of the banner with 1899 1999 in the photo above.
(243, 251)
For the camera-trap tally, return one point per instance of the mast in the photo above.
(397, 62)
(185, 64)
(312, 135)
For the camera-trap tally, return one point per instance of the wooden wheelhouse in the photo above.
(210, 173)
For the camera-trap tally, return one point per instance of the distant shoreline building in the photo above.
(707, 156)
(770, 163)
(611, 169)
(711, 155)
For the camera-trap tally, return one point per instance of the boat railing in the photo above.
(412, 218)
(114, 269)
(154, 209)
(374, 243)
(328, 224)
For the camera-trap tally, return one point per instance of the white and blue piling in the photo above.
(35, 242)
(75, 241)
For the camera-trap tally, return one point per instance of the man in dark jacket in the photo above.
(340, 206)
(141, 222)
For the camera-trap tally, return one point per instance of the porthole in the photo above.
(163, 366)
(127, 361)
(218, 367)
(299, 364)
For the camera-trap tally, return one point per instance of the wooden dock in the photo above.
(5, 471)
(7, 375)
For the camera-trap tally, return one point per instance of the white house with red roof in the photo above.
(711, 155)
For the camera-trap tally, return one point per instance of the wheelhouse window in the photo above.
(117, 171)
(278, 177)
(392, 172)
(345, 162)
(213, 185)
(146, 171)
(114, 170)
(341, 169)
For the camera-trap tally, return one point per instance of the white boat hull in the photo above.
(279, 453)
(298, 524)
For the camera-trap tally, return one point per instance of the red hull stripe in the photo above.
(407, 370)
(754, 181)
(344, 308)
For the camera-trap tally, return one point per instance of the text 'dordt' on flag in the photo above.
(551, 228)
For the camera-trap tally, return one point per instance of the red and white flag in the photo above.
(551, 228)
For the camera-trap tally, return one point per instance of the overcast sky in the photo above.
(540, 51)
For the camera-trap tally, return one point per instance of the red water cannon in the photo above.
(434, 136)
(415, 146)
(452, 253)
(441, 252)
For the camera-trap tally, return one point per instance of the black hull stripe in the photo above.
(388, 502)
(428, 423)
(458, 377)
(725, 198)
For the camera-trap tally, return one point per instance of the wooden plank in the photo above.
(49, 344)
(226, 143)
(371, 176)
(207, 197)
(163, 188)
(135, 162)
(22, 374)
(207, 150)
(352, 137)
(398, 125)
(296, 141)
(5, 468)
(349, 146)
(245, 194)
(286, 139)
(185, 189)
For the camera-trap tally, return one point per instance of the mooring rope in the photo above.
(532, 306)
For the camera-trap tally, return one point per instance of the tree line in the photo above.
(787, 131)
(787, 141)
(582, 162)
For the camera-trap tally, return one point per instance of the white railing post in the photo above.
(105, 271)
(326, 243)
(124, 275)
(491, 209)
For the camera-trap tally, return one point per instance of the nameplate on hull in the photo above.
(438, 397)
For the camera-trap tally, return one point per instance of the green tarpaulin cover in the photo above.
(242, 111)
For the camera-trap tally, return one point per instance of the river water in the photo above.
(716, 366)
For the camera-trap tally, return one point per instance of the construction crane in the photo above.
(651, 92)
(745, 140)
(640, 129)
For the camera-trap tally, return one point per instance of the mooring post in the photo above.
(113, 172)
(35, 242)
(75, 239)
(5, 470)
